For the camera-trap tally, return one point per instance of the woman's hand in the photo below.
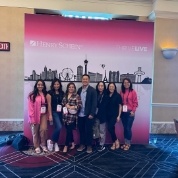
(132, 113)
(90, 117)
(118, 118)
(68, 106)
(50, 117)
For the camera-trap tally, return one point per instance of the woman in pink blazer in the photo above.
(37, 115)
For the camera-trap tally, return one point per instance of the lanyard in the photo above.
(41, 100)
(126, 98)
(101, 98)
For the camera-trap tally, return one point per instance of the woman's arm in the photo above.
(120, 107)
(31, 112)
(120, 111)
(48, 97)
(134, 101)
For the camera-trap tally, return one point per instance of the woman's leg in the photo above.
(57, 126)
(129, 129)
(124, 123)
(43, 129)
(102, 133)
(111, 129)
(69, 134)
(73, 126)
(35, 133)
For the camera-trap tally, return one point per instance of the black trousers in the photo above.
(85, 126)
(111, 128)
(69, 133)
(127, 122)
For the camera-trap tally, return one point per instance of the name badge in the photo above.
(124, 108)
(43, 109)
(59, 108)
(65, 111)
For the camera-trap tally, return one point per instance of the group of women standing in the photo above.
(61, 107)
(113, 106)
(57, 107)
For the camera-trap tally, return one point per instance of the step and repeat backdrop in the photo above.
(67, 48)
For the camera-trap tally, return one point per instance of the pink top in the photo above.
(34, 109)
(129, 98)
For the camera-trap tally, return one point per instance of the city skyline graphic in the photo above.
(67, 75)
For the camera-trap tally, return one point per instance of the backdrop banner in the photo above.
(111, 50)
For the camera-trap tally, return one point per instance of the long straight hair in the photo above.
(122, 86)
(35, 91)
(104, 91)
(60, 85)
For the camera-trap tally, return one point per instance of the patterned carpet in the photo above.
(159, 159)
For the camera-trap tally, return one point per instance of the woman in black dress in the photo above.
(114, 109)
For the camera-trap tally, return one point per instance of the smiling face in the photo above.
(85, 81)
(71, 88)
(126, 84)
(56, 85)
(111, 88)
(40, 86)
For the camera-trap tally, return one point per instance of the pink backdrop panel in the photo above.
(56, 45)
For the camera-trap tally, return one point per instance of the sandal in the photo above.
(37, 150)
(117, 144)
(123, 146)
(65, 149)
(113, 147)
(126, 148)
(72, 147)
(44, 148)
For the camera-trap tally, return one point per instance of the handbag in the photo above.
(20, 142)
(72, 111)
(10, 139)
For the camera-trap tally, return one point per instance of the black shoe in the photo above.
(101, 148)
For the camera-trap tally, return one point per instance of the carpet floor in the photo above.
(158, 159)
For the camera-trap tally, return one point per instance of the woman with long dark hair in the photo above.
(37, 115)
(114, 109)
(72, 102)
(54, 99)
(130, 103)
(102, 101)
